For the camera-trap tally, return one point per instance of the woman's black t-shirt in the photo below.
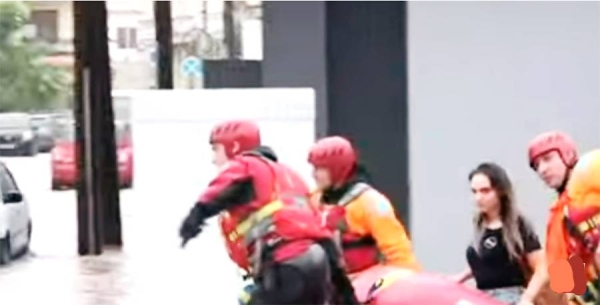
(492, 268)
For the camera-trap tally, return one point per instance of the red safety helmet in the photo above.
(245, 133)
(553, 141)
(335, 154)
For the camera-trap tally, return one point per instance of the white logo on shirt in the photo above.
(490, 242)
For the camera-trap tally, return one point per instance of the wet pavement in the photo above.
(150, 268)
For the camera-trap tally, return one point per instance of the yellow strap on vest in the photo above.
(589, 224)
(586, 225)
(266, 211)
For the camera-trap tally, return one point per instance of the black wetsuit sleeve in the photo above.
(234, 186)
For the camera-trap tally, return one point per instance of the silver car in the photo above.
(15, 219)
(44, 126)
(16, 134)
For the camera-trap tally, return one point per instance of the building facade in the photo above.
(197, 32)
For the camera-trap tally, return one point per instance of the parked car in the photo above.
(16, 134)
(64, 165)
(44, 127)
(15, 219)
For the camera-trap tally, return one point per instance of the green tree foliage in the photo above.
(26, 81)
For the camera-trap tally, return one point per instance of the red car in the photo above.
(64, 166)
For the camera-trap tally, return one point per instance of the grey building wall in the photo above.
(293, 29)
(484, 78)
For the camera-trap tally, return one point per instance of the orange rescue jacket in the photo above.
(367, 215)
(582, 193)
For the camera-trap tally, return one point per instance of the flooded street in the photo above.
(150, 268)
(168, 177)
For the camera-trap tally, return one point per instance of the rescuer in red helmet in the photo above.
(552, 155)
(270, 229)
(369, 232)
(573, 221)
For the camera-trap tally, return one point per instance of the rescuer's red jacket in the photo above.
(267, 203)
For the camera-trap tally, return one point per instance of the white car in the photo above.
(15, 220)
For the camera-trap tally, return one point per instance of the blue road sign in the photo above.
(192, 66)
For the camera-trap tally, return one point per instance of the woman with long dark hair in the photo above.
(504, 244)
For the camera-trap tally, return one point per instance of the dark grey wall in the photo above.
(367, 89)
(294, 49)
(232, 74)
(354, 55)
(485, 77)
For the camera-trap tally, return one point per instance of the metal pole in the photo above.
(106, 191)
(99, 221)
(229, 28)
(164, 42)
(205, 15)
(88, 182)
(87, 217)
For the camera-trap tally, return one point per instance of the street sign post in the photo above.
(192, 66)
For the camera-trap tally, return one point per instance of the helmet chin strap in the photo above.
(563, 185)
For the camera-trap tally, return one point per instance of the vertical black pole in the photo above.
(106, 170)
(238, 8)
(164, 41)
(88, 220)
(229, 29)
(204, 14)
(99, 220)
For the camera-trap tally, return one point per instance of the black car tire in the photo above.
(46, 148)
(5, 255)
(31, 149)
(56, 186)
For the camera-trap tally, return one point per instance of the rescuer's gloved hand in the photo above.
(192, 225)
